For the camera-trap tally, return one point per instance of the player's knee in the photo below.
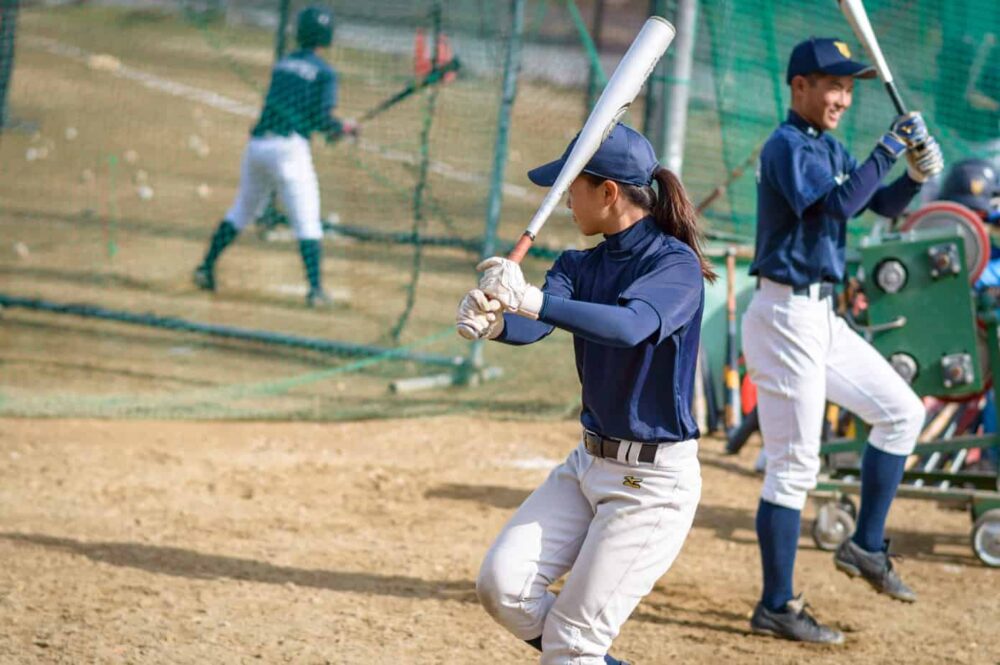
(790, 488)
(897, 433)
(504, 592)
(489, 584)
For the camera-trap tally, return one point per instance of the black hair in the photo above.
(671, 209)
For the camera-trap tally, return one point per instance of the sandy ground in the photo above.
(190, 542)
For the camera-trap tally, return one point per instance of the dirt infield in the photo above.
(359, 542)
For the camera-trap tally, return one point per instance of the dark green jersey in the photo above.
(301, 98)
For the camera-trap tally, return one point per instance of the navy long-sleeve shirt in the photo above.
(808, 187)
(634, 305)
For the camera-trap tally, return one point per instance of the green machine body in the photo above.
(920, 311)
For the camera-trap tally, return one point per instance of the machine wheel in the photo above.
(847, 503)
(833, 525)
(986, 538)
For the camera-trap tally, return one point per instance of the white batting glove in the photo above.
(926, 161)
(478, 317)
(503, 280)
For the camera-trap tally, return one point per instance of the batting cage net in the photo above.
(135, 117)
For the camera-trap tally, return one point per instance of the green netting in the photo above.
(8, 23)
(943, 54)
(143, 109)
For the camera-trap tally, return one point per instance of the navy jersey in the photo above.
(302, 95)
(808, 186)
(642, 392)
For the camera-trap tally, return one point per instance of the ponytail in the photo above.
(673, 212)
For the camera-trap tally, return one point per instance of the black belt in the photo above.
(826, 289)
(602, 446)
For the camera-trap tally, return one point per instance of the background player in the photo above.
(975, 183)
(300, 100)
(615, 514)
(799, 352)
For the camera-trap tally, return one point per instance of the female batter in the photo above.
(615, 514)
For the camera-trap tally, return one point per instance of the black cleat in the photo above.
(794, 623)
(204, 278)
(875, 567)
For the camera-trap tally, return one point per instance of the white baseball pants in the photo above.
(614, 540)
(281, 164)
(801, 354)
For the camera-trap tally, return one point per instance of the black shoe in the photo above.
(204, 279)
(318, 299)
(794, 623)
(875, 567)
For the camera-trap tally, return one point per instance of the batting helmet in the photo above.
(975, 183)
(315, 27)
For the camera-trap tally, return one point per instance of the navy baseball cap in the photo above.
(625, 156)
(825, 55)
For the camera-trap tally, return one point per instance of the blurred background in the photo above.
(124, 123)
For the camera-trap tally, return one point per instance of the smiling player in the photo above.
(799, 352)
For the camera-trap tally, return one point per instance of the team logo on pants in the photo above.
(633, 482)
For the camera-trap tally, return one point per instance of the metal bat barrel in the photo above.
(622, 88)
(856, 15)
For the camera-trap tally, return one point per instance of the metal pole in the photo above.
(679, 87)
(654, 87)
(8, 26)
(510, 72)
(592, 75)
(279, 38)
(272, 217)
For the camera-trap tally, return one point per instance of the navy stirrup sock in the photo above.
(881, 474)
(778, 537)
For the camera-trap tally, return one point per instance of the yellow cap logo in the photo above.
(844, 50)
(977, 186)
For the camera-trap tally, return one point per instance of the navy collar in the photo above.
(625, 244)
(803, 125)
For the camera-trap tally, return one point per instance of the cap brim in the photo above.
(858, 70)
(546, 174)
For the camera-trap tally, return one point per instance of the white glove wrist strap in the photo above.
(531, 304)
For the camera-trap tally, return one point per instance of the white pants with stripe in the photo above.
(615, 527)
(281, 164)
(800, 354)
